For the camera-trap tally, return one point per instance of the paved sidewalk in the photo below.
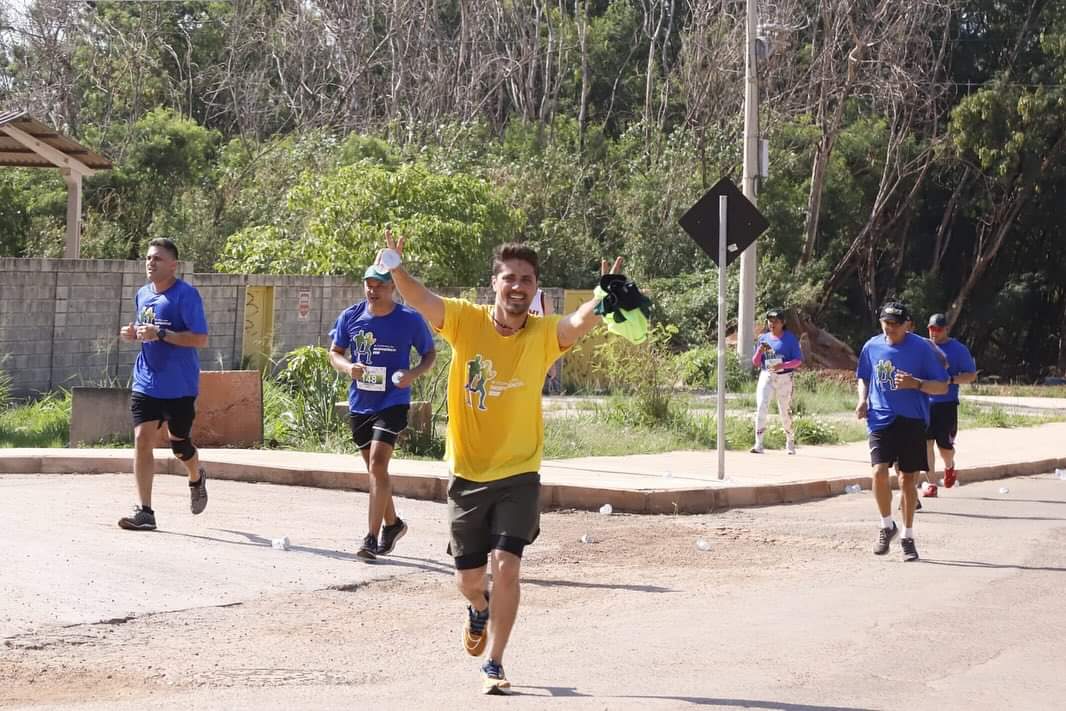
(674, 482)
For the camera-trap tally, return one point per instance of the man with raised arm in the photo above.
(495, 441)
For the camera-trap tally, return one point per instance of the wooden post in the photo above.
(72, 250)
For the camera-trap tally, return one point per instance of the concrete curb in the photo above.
(553, 496)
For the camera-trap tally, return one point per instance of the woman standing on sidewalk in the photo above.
(777, 355)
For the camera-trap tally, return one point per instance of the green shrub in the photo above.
(314, 388)
(813, 431)
(5, 387)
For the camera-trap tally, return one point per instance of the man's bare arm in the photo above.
(414, 292)
(575, 325)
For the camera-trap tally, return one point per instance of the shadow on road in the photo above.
(982, 564)
(926, 512)
(570, 692)
(257, 541)
(596, 586)
(1002, 499)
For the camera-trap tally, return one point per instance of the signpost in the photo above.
(723, 223)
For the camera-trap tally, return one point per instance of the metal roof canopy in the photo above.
(28, 143)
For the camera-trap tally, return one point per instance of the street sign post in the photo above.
(723, 223)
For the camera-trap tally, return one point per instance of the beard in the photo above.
(516, 307)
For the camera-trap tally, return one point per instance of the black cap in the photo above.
(938, 321)
(895, 311)
(775, 314)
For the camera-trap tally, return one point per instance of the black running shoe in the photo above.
(141, 520)
(884, 537)
(369, 550)
(391, 534)
(910, 552)
(198, 493)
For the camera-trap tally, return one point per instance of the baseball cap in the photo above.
(775, 314)
(938, 321)
(373, 273)
(895, 311)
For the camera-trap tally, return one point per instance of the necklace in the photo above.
(512, 329)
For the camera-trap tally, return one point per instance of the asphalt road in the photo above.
(788, 609)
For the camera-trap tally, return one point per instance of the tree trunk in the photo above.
(943, 231)
(814, 196)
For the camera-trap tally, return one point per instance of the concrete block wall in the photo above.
(60, 318)
(223, 297)
(329, 296)
(27, 319)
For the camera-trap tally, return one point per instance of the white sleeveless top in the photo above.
(536, 306)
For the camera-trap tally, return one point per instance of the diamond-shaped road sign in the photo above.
(744, 222)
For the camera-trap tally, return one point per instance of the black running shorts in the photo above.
(902, 443)
(178, 413)
(486, 516)
(384, 426)
(943, 424)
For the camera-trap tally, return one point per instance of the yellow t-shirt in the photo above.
(495, 423)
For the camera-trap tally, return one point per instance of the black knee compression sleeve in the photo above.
(183, 449)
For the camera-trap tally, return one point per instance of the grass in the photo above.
(1016, 390)
(593, 435)
(972, 416)
(620, 425)
(41, 423)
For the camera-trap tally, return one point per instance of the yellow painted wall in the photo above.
(577, 373)
(258, 341)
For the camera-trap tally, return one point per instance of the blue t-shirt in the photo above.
(786, 348)
(959, 361)
(164, 370)
(383, 344)
(878, 364)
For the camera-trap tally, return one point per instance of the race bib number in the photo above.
(373, 378)
(771, 362)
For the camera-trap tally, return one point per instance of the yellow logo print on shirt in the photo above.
(147, 315)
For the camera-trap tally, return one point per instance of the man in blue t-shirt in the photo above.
(944, 409)
(777, 355)
(897, 372)
(379, 334)
(170, 324)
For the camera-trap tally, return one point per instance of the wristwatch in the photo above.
(162, 333)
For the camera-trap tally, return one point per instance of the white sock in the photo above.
(887, 522)
(908, 533)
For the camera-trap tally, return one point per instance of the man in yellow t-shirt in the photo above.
(500, 355)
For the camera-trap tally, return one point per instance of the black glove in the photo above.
(621, 295)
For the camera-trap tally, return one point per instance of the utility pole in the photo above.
(749, 258)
